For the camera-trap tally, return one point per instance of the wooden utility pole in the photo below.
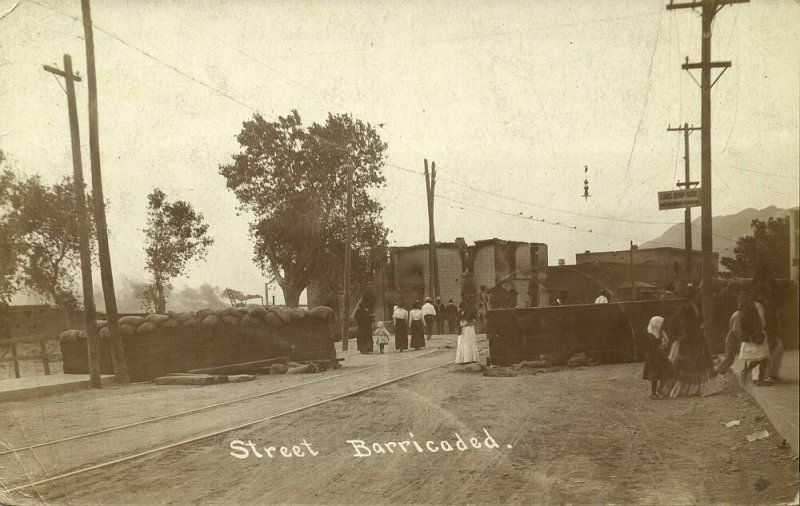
(633, 275)
(433, 263)
(92, 339)
(687, 183)
(348, 241)
(709, 10)
(106, 275)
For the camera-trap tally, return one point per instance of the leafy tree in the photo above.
(294, 181)
(766, 251)
(40, 247)
(175, 235)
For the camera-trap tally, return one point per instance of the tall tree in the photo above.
(175, 235)
(766, 251)
(40, 249)
(294, 181)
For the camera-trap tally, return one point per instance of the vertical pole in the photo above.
(92, 338)
(266, 294)
(106, 274)
(633, 276)
(348, 241)
(688, 211)
(436, 286)
(45, 358)
(709, 7)
(429, 181)
(14, 359)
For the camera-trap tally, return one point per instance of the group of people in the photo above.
(679, 362)
(417, 323)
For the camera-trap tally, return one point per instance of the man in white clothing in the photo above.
(602, 299)
(429, 314)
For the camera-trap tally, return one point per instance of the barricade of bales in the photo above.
(160, 344)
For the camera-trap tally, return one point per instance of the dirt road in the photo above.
(580, 436)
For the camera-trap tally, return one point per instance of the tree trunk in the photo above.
(161, 301)
(292, 295)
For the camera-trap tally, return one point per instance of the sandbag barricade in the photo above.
(157, 345)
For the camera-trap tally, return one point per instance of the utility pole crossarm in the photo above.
(695, 5)
(711, 65)
(61, 73)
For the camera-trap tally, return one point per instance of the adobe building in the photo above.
(465, 271)
(670, 261)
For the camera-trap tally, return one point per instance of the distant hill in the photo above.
(727, 229)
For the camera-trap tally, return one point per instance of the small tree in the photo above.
(175, 235)
(766, 251)
(40, 248)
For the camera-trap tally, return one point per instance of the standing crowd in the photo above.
(415, 326)
(679, 361)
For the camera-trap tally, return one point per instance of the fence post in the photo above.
(14, 357)
(45, 362)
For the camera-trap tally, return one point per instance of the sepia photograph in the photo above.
(419, 252)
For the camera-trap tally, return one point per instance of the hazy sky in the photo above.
(511, 99)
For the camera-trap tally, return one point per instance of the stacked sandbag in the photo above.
(247, 316)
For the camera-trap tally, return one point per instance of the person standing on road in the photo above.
(364, 323)
(440, 316)
(451, 313)
(381, 336)
(467, 350)
(748, 324)
(657, 367)
(732, 340)
(400, 316)
(602, 298)
(417, 326)
(429, 314)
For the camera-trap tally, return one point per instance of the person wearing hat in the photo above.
(429, 314)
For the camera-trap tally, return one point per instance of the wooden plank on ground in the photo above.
(194, 379)
(243, 368)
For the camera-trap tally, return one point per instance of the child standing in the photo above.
(657, 367)
(381, 336)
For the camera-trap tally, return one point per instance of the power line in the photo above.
(573, 213)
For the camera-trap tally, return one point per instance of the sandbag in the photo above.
(297, 313)
(210, 320)
(69, 335)
(322, 312)
(170, 323)
(191, 322)
(133, 321)
(126, 329)
(229, 311)
(182, 316)
(283, 313)
(146, 328)
(231, 319)
(278, 369)
(156, 318)
(308, 368)
(104, 332)
(258, 311)
(249, 320)
(239, 378)
(241, 310)
(272, 318)
(101, 324)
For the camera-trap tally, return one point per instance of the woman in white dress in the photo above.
(748, 324)
(467, 350)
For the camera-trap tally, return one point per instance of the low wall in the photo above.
(156, 345)
(609, 333)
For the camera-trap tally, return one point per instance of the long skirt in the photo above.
(467, 350)
(692, 369)
(364, 339)
(656, 365)
(417, 334)
(400, 334)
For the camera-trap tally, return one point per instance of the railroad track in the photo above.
(214, 433)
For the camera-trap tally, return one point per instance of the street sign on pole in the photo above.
(679, 199)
